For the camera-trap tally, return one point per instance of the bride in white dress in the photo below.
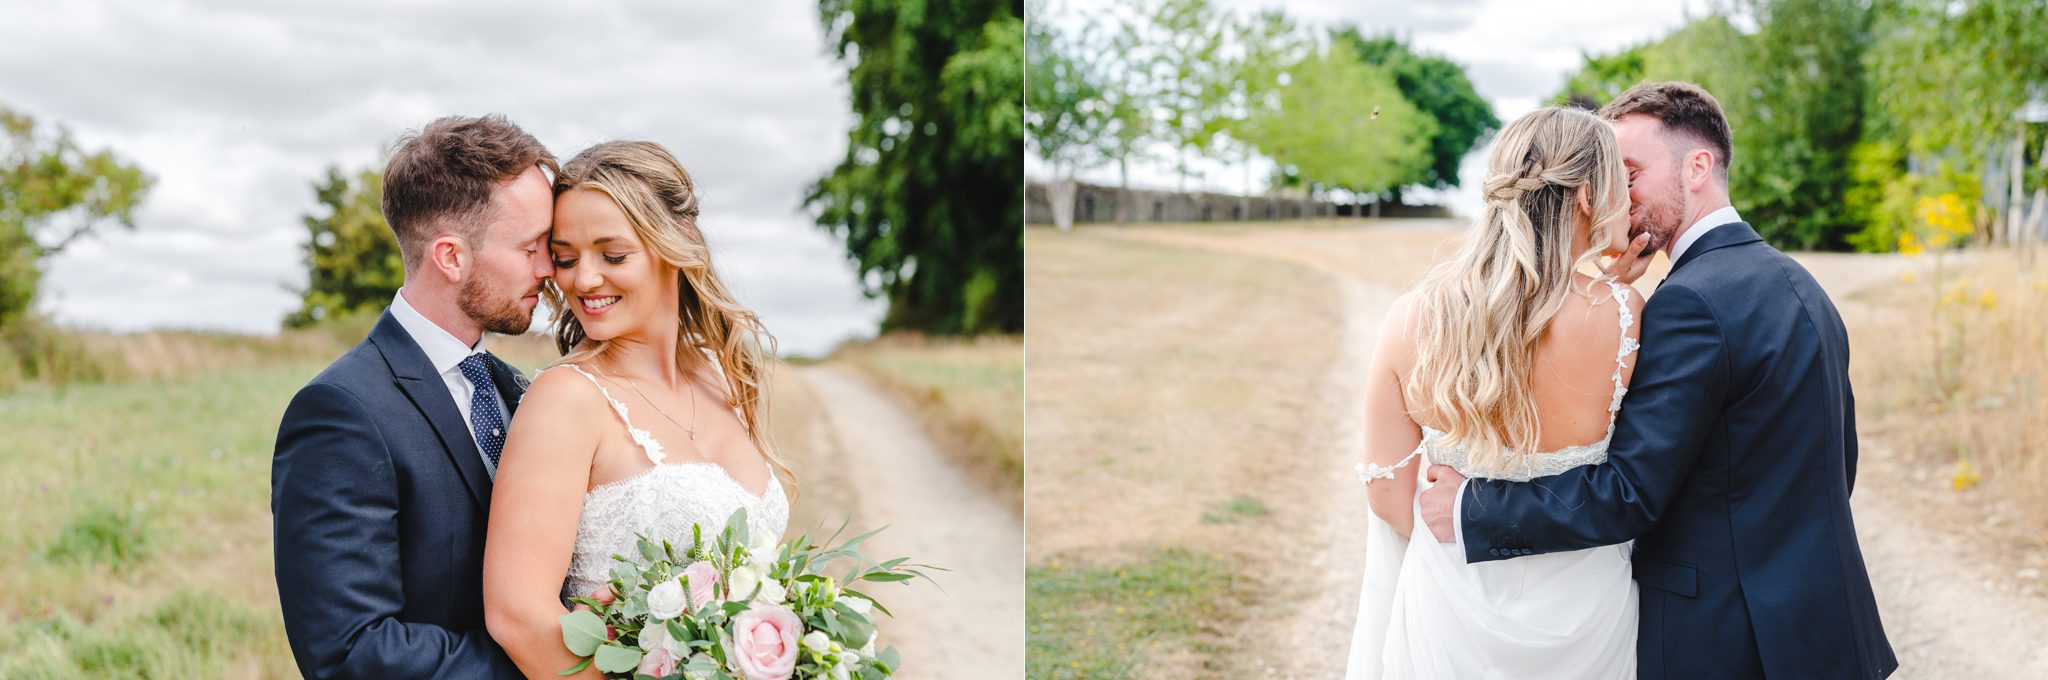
(1506, 362)
(653, 420)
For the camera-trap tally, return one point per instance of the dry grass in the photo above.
(969, 393)
(137, 539)
(1954, 371)
(1169, 384)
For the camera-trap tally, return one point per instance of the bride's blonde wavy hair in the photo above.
(660, 201)
(1480, 314)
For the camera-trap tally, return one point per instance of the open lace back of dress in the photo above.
(1541, 464)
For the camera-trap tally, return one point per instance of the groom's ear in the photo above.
(1699, 167)
(448, 256)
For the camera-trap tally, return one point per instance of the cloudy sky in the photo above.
(238, 106)
(1517, 53)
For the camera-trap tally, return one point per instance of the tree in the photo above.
(1342, 123)
(1064, 113)
(52, 194)
(1949, 80)
(928, 197)
(1269, 46)
(1439, 88)
(1793, 143)
(352, 259)
(1191, 82)
(1126, 87)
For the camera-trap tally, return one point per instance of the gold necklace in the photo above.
(657, 408)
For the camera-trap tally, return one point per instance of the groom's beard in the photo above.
(1661, 218)
(505, 317)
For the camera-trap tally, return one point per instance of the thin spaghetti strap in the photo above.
(641, 437)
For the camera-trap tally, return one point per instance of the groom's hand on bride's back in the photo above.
(1439, 500)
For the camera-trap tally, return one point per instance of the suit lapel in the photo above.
(415, 377)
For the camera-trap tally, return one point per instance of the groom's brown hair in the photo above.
(441, 178)
(1684, 109)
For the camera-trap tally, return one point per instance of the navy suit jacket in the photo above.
(379, 500)
(1731, 467)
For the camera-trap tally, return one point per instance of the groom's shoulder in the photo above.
(360, 371)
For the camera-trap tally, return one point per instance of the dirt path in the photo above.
(1947, 598)
(1946, 601)
(885, 470)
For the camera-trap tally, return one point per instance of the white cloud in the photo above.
(238, 106)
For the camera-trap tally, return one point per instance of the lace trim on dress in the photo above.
(1541, 464)
(646, 441)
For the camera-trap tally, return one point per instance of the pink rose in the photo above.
(766, 639)
(703, 583)
(660, 661)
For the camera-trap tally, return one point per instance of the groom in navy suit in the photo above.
(381, 484)
(1735, 452)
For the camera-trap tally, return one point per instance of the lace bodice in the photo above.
(1542, 464)
(664, 503)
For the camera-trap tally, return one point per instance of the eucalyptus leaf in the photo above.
(618, 659)
(582, 632)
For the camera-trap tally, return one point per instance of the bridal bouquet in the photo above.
(731, 607)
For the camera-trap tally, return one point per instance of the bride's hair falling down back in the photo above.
(1480, 314)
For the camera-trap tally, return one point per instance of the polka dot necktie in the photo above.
(484, 419)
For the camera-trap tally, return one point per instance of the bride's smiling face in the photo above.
(614, 285)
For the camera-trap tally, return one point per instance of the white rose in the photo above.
(867, 649)
(666, 601)
(817, 642)
(860, 605)
(743, 581)
(839, 672)
(772, 592)
(761, 550)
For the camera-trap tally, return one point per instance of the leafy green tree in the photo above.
(352, 259)
(1064, 112)
(1268, 47)
(1190, 79)
(1439, 88)
(1342, 123)
(1793, 139)
(928, 197)
(1948, 79)
(53, 193)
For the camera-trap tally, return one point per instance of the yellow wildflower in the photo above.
(1989, 300)
(1908, 277)
(1965, 476)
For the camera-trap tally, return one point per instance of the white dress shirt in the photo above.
(446, 353)
(1726, 215)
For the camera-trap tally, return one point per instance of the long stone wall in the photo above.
(1095, 203)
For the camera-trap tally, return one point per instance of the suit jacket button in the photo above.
(1493, 551)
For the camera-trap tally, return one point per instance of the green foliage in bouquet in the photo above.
(735, 606)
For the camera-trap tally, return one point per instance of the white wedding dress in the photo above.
(1426, 613)
(663, 503)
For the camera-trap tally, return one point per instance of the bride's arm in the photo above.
(1390, 434)
(535, 503)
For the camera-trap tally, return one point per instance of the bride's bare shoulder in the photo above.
(563, 391)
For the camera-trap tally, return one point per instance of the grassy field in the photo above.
(1955, 371)
(138, 539)
(139, 527)
(969, 392)
(1171, 398)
